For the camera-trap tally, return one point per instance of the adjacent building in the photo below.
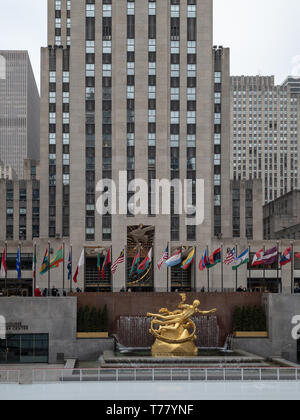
(265, 135)
(282, 217)
(19, 111)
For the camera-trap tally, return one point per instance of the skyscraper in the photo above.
(126, 86)
(19, 111)
(265, 136)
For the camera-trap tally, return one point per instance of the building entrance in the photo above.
(24, 348)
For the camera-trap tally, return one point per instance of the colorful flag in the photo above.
(286, 257)
(3, 265)
(80, 264)
(189, 260)
(135, 263)
(175, 259)
(99, 264)
(145, 263)
(230, 257)
(241, 260)
(107, 261)
(270, 256)
(34, 261)
(164, 257)
(214, 259)
(257, 260)
(119, 260)
(203, 262)
(69, 266)
(18, 263)
(58, 259)
(45, 264)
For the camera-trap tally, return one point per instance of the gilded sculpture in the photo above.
(176, 332)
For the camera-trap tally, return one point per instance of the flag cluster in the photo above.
(261, 258)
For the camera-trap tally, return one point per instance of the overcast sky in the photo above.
(264, 35)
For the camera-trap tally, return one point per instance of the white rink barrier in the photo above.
(40, 376)
(9, 376)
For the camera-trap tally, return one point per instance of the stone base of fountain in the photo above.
(217, 358)
(160, 349)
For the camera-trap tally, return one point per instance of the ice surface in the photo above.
(154, 391)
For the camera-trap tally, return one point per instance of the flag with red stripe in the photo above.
(119, 260)
(164, 257)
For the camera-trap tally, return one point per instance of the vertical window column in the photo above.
(58, 22)
(175, 110)
(9, 210)
(52, 142)
(90, 122)
(22, 211)
(191, 104)
(130, 94)
(68, 22)
(107, 107)
(217, 141)
(151, 97)
(66, 143)
(35, 209)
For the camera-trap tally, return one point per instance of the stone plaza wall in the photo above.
(280, 311)
(138, 304)
(56, 317)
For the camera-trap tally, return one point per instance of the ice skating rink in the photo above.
(277, 390)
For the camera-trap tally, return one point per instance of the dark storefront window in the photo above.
(24, 348)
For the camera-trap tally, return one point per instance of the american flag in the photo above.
(118, 261)
(230, 257)
(164, 257)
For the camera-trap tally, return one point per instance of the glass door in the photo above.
(24, 348)
(13, 349)
(3, 351)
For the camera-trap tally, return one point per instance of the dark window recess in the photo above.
(106, 28)
(130, 26)
(90, 28)
(192, 29)
(152, 27)
(175, 29)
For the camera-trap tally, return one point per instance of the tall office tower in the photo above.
(293, 82)
(19, 111)
(221, 140)
(127, 86)
(265, 138)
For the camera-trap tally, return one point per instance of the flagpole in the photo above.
(6, 291)
(33, 273)
(63, 266)
(168, 267)
(35, 263)
(111, 261)
(250, 262)
(208, 285)
(20, 259)
(264, 273)
(222, 269)
(99, 269)
(236, 271)
(49, 269)
(278, 265)
(71, 279)
(195, 271)
(292, 269)
(126, 268)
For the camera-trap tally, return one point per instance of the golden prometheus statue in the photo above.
(176, 334)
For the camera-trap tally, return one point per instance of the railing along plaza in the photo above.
(9, 376)
(165, 374)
